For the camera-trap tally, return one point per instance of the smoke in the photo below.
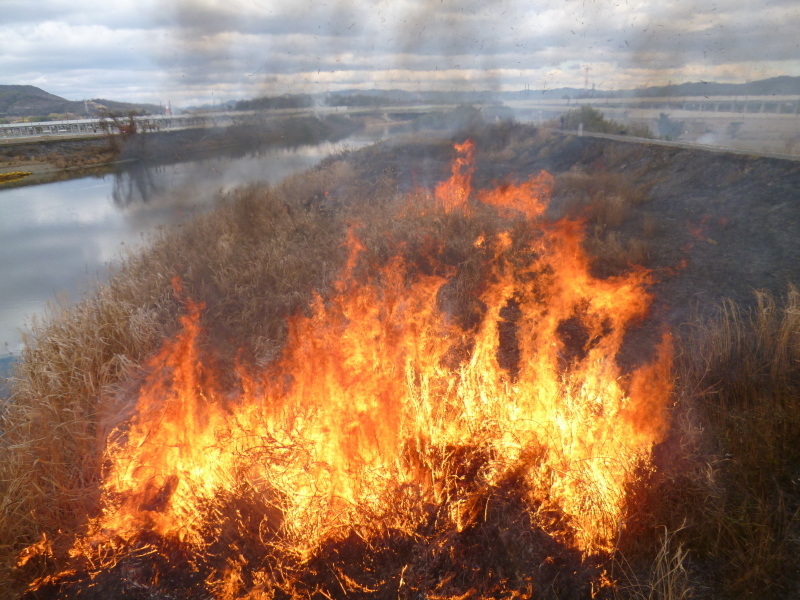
(254, 47)
(458, 41)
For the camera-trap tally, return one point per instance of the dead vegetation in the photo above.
(77, 356)
(606, 201)
(741, 374)
(726, 481)
(718, 517)
(13, 176)
(60, 154)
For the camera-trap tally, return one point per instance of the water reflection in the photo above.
(56, 237)
(135, 184)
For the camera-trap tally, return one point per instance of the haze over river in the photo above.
(59, 237)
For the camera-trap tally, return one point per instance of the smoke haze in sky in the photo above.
(193, 51)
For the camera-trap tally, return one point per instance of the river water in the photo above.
(58, 237)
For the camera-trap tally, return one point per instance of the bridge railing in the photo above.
(100, 125)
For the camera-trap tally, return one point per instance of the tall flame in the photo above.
(379, 387)
(452, 195)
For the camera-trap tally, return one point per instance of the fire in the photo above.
(380, 390)
(452, 195)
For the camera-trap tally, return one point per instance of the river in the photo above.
(60, 237)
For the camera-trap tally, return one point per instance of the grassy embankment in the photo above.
(716, 518)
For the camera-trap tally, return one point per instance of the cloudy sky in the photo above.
(192, 51)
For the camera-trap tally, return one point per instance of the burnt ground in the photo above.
(715, 225)
(734, 219)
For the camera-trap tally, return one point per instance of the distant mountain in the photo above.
(123, 108)
(555, 93)
(23, 100)
(774, 86)
(18, 101)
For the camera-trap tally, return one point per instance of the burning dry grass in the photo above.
(452, 512)
(450, 305)
(253, 261)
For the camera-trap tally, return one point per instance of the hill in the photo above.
(29, 101)
(23, 100)
(773, 86)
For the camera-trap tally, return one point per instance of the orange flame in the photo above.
(452, 195)
(367, 398)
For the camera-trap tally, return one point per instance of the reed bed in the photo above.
(726, 486)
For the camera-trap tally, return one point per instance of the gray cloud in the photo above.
(188, 49)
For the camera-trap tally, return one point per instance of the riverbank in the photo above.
(54, 159)
(269, 264)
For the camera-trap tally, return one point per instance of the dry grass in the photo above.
(13, 176)
(667, 577)
(76, 160)
(256, 258)
(603, 197)
(744, 371)
(606, 201)
(718, 518)
(728, 476)
(613, 254)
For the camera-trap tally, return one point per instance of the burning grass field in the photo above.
(418, 371)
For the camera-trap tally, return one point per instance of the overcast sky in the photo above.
(193, 51)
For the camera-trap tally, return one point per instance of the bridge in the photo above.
(98, 126)
(716, 104)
